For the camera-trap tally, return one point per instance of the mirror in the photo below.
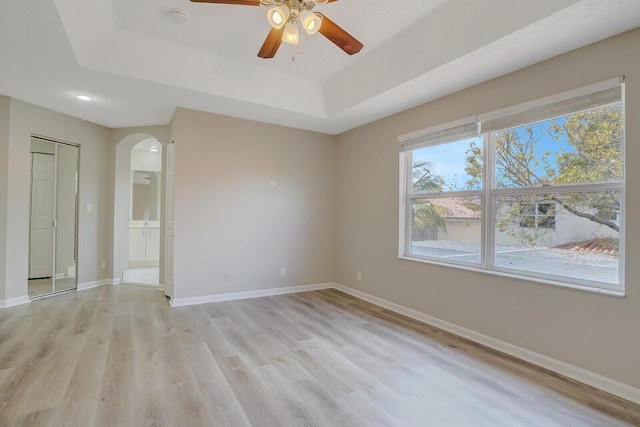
(66, 206)
(53, 219)
(145, 196)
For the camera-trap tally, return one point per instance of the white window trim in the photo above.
(536, 215)
(489, 192)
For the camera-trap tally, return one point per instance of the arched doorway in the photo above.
(127, 161)
(145, 209)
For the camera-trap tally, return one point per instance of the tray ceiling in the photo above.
(139, 64)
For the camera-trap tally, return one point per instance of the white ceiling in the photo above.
(138, 64)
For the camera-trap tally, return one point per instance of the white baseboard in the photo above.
(12, 302)
(180, 302)
(592, 379)
(81, 287)
(97, 283)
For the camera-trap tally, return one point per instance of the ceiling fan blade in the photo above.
(338, 36)
(271, 43)
(238, 2)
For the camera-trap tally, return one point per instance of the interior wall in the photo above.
(594, 332)
(27, 119)
(229, 221)
(4, 168)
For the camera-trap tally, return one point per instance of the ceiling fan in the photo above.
(284, 16)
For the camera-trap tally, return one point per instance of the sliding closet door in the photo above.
(53, 229)
(66, 208)
(41, 233)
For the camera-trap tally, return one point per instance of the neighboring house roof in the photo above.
(459, 208)
(601, 245)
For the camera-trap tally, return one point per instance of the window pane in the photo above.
(453, 166)
(579, 148)
(447, 228)
(572, 235)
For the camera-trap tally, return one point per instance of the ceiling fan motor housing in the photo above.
(285, 16)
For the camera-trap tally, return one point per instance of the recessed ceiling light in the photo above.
(83, 97)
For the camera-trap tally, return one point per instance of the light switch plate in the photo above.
(88, 208)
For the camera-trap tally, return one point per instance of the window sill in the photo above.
(537, 280)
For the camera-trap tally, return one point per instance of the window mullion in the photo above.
(555, 189)
(489, 211)
(446, 194)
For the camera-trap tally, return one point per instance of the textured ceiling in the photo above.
(139, 65)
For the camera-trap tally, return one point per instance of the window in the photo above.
(537, 215)
(535, 190)
(445, 200)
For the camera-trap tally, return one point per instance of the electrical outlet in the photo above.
(227, 277)
(359, 275)
(103, 265)
(283, 271)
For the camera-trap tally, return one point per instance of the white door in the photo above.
(168, 247)
(42, 194)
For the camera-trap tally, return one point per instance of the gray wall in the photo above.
(595, 332)
(227, 220)
(26, 119)
(5, 104)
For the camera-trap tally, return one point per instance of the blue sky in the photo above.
(448, 160)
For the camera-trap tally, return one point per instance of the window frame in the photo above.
(489, 195)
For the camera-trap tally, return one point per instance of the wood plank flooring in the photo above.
(120, 356)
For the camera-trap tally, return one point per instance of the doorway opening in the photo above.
(145, 213)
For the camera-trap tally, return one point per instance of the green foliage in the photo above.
(424, 181)
(474, 166)
(426, 216)
(596, 137)
(595, 155)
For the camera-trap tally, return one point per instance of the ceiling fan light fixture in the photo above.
(290, 34)
(278, 16)
(310, 22)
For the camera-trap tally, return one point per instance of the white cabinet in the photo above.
(153, 245)
(144, 246)
(137, 244)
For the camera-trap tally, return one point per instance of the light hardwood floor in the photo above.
(120, 356)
